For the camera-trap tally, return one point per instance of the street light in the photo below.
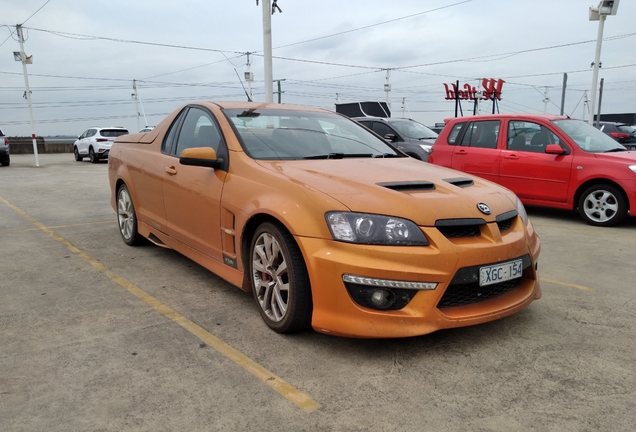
(599, 13)
(21, 57)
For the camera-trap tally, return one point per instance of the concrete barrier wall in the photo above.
(24, 145)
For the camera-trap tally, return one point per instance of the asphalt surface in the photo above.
(99, 336)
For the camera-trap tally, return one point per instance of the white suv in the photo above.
(96, 143)
(5, 160)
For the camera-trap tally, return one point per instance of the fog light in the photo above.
(380, 298)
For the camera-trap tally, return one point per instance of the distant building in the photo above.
(628, 118)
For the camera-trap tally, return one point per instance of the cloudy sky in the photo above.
(86, 55)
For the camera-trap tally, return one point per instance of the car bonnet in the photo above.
(401, 187)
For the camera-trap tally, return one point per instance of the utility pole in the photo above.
(565, 84)
(280, 92)
(546, 99)
(22, 57)
(267, 50)
(135, 96)
(604, 9)
(249, 76)
(600, 99)
(586, 108)
(387, 86)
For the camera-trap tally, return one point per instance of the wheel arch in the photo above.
(597, 181)
(248, 232)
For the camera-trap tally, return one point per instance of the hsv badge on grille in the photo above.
(483, 208)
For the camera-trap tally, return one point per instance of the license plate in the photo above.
(500, 272)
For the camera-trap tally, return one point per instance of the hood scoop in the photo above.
(409, 186)
(461, 182)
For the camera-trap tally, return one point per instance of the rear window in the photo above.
(113, 133)
(621, 128)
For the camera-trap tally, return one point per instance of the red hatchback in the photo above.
(548, 161)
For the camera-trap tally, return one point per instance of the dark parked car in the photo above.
(5, 160)
(413, 138)
(621, 132)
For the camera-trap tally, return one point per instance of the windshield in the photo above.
(413, 129)
(288, 134)
(587, 137)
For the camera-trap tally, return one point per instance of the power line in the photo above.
(47, 2)
(372, 25)
(88, 37)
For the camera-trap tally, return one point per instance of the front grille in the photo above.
(505, 220)
(465, 294)
(460, 228)
(505, 225)
(460, 231)
(464, 289)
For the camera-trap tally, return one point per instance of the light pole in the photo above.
(22, 57)
(269, 7)
(599, 13)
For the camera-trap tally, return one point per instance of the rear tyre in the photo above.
(6, 161)
(127, 218)
(279, 279)
(92, 155)
(78, 157)
(603, 205)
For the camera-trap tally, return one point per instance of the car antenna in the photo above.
(249, 99)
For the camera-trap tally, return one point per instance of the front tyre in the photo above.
(127, 218)
(279, 279)
(603, 205)
(78, 156)
(92, 155)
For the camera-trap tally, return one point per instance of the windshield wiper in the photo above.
(615, 150)
(339, 156)
(387, 155)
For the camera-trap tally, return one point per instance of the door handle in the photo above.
(171, 170)
(462, 152)
(512, 156)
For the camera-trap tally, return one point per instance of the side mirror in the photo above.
(200, 156)
(390, 137)
(555, 149)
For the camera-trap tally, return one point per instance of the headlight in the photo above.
(633, 168)
(522, 212)
(426, 147)
(372, 229)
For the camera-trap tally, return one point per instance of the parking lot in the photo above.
(99, 336)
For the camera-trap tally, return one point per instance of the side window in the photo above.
(198, 130)
(454, 134)
(382, 129)
(482, 134)
(82, 136)
(366, 124)
(91, 132)
(168, 141)
(529, 136)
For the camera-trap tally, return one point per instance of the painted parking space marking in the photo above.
(112, 221)
(571, 285)
(301, 400)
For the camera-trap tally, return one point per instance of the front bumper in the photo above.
(335, 312)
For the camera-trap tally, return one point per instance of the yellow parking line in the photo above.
(581, 287)
(288, 391)
(112, 221)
